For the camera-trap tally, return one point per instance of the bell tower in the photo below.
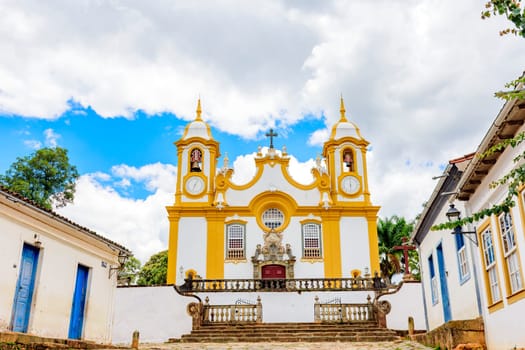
(197, 154)
(345, 153)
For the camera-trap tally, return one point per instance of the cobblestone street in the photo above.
(394, 345)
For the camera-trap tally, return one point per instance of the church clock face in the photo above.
(194, 185)
(350, 184)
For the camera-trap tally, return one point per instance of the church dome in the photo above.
(344, 128)
(198, 127)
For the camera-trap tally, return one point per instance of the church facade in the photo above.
(272, 227)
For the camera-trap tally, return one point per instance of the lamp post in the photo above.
(122, 257)
(454, 215)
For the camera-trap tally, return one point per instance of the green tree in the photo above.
(154, 270)
(129, 273)
(390, 232)
(512, 10)
(45, 177)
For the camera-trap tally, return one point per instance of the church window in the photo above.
(433, 280)
(196, 160)
(273, 218)
(461, 252)
(348, 160)
(235, 245)
(510, 252)
(490, 265)
(311, 241)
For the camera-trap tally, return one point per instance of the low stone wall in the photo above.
(454, 333)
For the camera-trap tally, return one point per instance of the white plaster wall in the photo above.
(504, 328)
(59, 256)
(407, 302)
(355, 248)
(273, 179)
(286, 307)
(158, 313)
(462, 296)
(191, 249)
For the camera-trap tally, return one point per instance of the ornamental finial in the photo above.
(342, 110)
(199, 110)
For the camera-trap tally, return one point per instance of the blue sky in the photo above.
(115, 82)
(95, 144)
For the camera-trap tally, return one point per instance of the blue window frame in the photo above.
(461, 253)
(433, 280)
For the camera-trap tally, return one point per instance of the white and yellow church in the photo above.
(272, 226)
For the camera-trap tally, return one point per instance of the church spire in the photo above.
(342, 110)
(199, 110)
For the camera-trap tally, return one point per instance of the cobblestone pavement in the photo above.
(394, 345)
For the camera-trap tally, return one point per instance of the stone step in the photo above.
(289, 332)
(205, 332)
(287, 339)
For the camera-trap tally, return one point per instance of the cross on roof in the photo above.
(405, 247)
(271, 135)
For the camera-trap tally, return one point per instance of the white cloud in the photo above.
(139, 224)
(154, 176)
(51, 137)
(418, 79)
(33, 144)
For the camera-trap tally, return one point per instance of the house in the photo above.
(479, 273)
(58, 278)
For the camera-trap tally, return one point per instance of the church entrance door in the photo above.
(273, 272)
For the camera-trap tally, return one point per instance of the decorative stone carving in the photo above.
(273, 252)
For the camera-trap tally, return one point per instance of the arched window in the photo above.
(273, 218)
(235, 242)
(311, 241)
(195, 160)
(348, 160)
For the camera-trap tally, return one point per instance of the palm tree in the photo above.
(390, 232)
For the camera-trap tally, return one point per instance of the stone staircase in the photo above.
(289, 332)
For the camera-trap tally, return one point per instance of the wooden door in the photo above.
(24, 288)
(273, 272)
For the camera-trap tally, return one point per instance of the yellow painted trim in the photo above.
(496, 306)
(373, 243)
(235, 261)
(365, 175)
(310, 221)
(311, 261)
(506, 276)
(173, 240)
(267, 200)
(215, 247)
(521, 205)
(486, 224)
(516, 296)
(332, 246)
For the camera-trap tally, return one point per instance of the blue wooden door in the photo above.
(76, 322)
(447, 314)
(24, 288)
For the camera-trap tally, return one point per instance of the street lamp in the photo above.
(122, 257)
(454, 215)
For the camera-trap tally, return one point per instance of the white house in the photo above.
(58, 278)
(480, 272)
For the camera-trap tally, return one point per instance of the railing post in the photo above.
(259, 310)
(317, 310)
